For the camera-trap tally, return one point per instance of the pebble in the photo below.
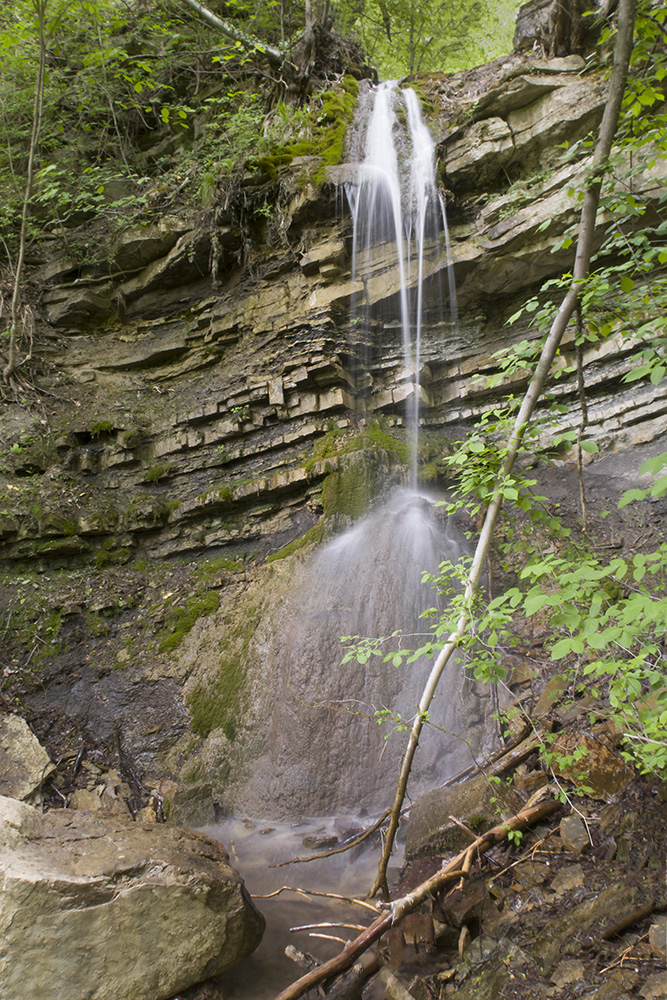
(657, 936)
(655, 986)
(569, 878)
(571, 971)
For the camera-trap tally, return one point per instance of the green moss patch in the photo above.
(335, 444)
(312, 537)
(330, 117)
(349, 491)
(181, 620)
(217, 704)
(217, 707)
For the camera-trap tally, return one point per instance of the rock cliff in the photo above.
(206, 407)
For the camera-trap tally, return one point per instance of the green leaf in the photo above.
(534, 603)
(654, 464)
(630, 496)
(659, 488)
(590, 446)
(627, 284)
(561, 648)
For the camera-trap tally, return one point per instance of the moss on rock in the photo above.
(216, 704)
(181, 620)
(312, 537)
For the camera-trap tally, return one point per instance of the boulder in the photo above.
(24, 763)
(558, 27)
(187, 805)
(140, 245)
(98, 908)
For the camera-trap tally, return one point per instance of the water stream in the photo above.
(324, 751)
(398, 210)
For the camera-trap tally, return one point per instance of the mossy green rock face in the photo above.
(477, 802)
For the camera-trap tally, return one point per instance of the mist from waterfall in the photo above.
(326, 751)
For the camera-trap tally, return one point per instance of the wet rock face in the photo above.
(106, 909)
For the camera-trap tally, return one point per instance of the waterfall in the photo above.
(323, 751)
(396, 205)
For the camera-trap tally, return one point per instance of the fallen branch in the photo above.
(458, 867)
(625, 955)
(318, 927)
(337, 850)
(628, 920)
(350, 985)
(315, 892)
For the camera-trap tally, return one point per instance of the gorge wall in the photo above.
(207, 408)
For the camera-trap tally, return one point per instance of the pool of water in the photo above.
(255, 845)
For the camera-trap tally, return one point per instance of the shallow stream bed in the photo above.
(255, 845)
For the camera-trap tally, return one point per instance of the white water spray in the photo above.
(396, 202)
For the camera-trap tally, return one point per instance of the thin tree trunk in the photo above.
(16, 322)
(274, 55)
(622, 50)
(581, 391)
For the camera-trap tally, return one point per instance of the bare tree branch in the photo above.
(274, 55)
(458, 867)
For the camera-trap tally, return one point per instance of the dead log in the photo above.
(458, 867)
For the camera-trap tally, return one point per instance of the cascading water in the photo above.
(398, 210)
(324, 751)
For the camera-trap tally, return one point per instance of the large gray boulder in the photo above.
(107, 909)
(476, 803)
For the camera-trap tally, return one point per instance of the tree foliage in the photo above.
(404, 37)
(603, 618)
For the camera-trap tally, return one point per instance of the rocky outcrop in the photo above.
(441, 820)
(25, 765)
(108, 909)
(203, 387)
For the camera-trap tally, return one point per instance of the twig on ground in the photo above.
(314, 892)
(624, 955)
